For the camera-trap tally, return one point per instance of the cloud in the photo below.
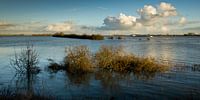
(182, 20)
(148, 12)
(166, 10)
(33, 26)
(164, 29)
(195, 29)
(161, 18)
(152, 19)
(166, 6)
(119, 23)
(22, 28)
(5, 25)
(60, 27)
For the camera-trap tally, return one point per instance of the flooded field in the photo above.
(180, 81)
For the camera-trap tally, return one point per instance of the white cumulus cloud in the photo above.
(147, 12)
(121, 22)
(166, 6)
(167, 10)
(152, 19)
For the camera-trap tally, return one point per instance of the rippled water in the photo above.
(180, 82)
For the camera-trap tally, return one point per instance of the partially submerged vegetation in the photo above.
(116, 59)
(14, 94)
(80, 60)
(26, 61)
(76, 36)
(26, 65)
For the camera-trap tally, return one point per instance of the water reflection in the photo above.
(111, 82)
(79, 79)
(177, 82)
(23, 83)
(25, 65)
(196, 68)
(158, 50)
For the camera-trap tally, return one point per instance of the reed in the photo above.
(78, 60)
(115, 59)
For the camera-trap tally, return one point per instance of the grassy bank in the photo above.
(90, 37)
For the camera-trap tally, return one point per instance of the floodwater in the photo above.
(181, 81)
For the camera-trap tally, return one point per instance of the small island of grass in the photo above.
(80, 60)
(76, 36)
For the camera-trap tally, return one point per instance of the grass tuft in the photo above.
(78, 60)
(115, 59)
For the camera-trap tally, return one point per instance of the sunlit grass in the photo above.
(115, 59)
(79, 59)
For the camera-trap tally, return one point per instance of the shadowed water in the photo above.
(181, 81)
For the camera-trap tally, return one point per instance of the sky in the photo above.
(99, 16)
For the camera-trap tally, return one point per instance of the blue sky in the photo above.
(91, 13)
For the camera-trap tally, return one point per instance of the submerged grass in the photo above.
(115, 59)
(79, 59)
(13, 94)
(106, 56)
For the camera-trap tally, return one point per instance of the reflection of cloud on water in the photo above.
(162, 52)
(152, 48)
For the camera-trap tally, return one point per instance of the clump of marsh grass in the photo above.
(146, 67)
(78, 60)
(106, 55)
(115, 59)
(54, 66)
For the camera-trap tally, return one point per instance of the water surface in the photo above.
(179, 82)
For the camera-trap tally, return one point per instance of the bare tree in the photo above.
(26, 61)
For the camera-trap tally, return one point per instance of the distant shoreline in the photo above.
(75, 36)
(68, 36)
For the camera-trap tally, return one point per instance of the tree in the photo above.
(26, 61)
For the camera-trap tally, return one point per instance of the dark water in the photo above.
(181, 81)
